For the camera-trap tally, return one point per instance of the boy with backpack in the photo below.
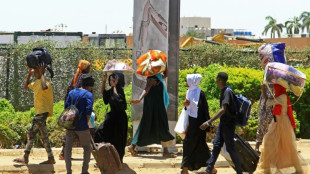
(43, 104)
(226, 129)
(82, 98)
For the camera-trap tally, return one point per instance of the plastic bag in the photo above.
(182, 124)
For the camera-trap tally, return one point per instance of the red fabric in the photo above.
(279, 90)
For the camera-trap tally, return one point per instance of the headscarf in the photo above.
(165, 93)
(83, 64)
(193, 94)
(279, 90)
(121, 79)
(120, 84)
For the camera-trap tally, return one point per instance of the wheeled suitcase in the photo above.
(106, 157)
(248, 157)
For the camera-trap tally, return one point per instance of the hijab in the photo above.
(83, 64)
(193, 94)
(120, 84)
(279, 90)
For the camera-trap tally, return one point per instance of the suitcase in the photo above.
(106, 157)
(248, 157)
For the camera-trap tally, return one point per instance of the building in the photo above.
(106, 40)
(63, 38)
(199, 24)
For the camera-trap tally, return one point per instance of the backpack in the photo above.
(242, 107)
(38, 56)
(69, 118)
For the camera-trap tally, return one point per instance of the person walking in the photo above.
(226, 129)
(114, 128)
(279, 144)
(154, 128)
(43, 105)
(195, 149)
(76, 82)
(83, 99)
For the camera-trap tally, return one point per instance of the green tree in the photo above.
(305, 18)
(273, 27)
(193, 33)
(293, 26)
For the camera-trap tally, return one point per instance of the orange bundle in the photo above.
(151, 63)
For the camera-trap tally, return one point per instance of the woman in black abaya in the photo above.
(114, 128)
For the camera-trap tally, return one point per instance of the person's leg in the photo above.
(70, 137)
(85, 140)
(46, 141)
(184, 170)
(217, 145)
(131, 149)
(30, 139)
(228, 135)
(257, 147)
(62, 153)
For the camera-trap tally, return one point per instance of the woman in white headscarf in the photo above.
(195, 149)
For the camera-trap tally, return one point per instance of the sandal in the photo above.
(169, 155)
(131, 150)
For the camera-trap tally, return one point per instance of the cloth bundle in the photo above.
(286, 76)
(151, 63)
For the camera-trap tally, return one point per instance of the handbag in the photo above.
(69, 118)
(182, 124)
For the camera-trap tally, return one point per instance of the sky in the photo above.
(108, 16)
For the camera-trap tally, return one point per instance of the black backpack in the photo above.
(40, 55)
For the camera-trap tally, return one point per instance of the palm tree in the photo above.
(273, 26)
(293, 25)
(305, 18)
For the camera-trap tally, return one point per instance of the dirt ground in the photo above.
(145, 163)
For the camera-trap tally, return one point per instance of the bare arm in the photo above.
(218, 115)
(104, 79)
(87, 118)
(43, 81)
(26, 83)
(147, 89)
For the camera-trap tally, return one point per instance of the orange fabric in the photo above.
(151, 63)
(279, 90)
(83, 64)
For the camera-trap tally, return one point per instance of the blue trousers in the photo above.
(225, 133)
